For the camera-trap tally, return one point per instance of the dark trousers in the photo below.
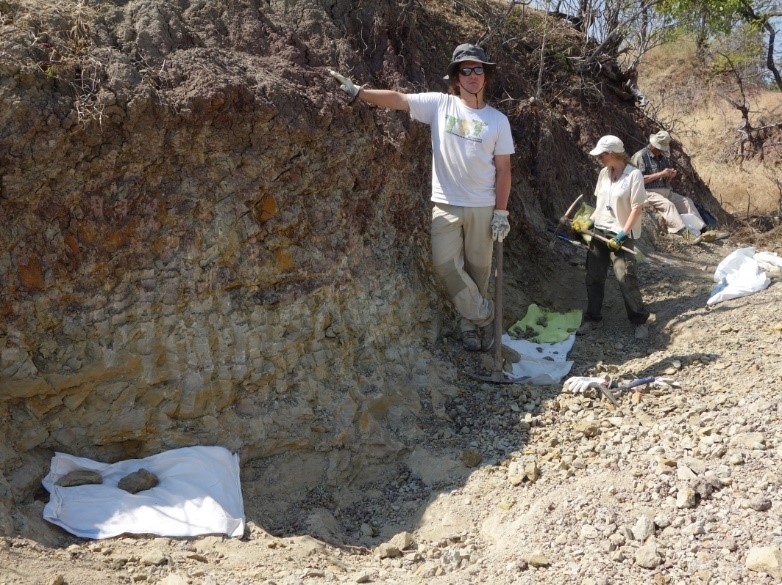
(599, 257)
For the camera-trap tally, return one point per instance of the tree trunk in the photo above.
(770, 64)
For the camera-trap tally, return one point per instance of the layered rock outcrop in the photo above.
(202, 243)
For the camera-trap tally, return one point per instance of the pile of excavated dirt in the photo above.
(526, 484)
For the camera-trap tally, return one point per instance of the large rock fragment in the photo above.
(80, 477)
(138, 481)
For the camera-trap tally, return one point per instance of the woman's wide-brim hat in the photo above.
(467, 52)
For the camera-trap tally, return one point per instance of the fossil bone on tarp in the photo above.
(543, 326)
(550, 336)
(199, 492)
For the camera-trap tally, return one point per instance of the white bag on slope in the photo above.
(738, 275)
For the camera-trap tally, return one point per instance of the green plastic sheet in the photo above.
(544, 326)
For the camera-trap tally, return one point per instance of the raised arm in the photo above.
(384, 98)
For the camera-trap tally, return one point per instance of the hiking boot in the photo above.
(589, 327)
(487, 337)
(471, 341)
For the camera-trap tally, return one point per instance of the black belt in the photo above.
(610, 234)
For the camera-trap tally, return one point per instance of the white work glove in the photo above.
(499, 225)
(347, 86)
(580, 384)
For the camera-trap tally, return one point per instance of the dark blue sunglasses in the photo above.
(467, 70)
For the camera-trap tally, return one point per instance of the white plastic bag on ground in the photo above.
(693, 223)
(199, 493)
(770, 262)
(738, 275)
(541, 363)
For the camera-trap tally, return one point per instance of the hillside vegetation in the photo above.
(743, 173)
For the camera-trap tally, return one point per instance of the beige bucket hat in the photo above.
(661, 141)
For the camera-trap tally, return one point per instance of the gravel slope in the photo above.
(679, 485)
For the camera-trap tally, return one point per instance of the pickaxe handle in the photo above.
(606, 240)
(564, 218)
(605, 392)
(634, 383)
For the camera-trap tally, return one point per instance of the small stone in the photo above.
(759, 504)
(174, 579)
(138, 481)
(643, 529)
(589, 428)
(589, 532)
(154, 558)
(531, 471)
(401, 541)
(80, 477)
(662, 521)
(754, 441)
(647, 556)
(471, 457)
(685, 498)
(386, 551)
(537, 560)
(684, 473)
(765, 559)
(510, 354)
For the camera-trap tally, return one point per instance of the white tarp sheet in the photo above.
(198, 493)
(742, 273)
(542, 363)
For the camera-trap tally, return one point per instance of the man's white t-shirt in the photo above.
(464, 143)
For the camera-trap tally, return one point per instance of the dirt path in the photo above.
(680, 485)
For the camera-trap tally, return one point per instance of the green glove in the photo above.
(616, 242)
(581, 225)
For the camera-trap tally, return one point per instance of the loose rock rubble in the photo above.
(680, 485)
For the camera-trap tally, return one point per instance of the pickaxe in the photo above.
(604, 388)
(606, 240)
(566, 218)
(498, 375)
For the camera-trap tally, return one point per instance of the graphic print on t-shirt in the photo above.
(469, 129)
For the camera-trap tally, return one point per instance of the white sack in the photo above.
(738, 275)
(199, 493)
(694, 223)
(542, 363)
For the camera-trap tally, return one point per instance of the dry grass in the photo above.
(56, 39)
(707, 126)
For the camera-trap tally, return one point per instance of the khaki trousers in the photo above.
(671, 206)
(461, 254)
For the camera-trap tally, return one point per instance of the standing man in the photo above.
(655, 165)
(471, 180)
